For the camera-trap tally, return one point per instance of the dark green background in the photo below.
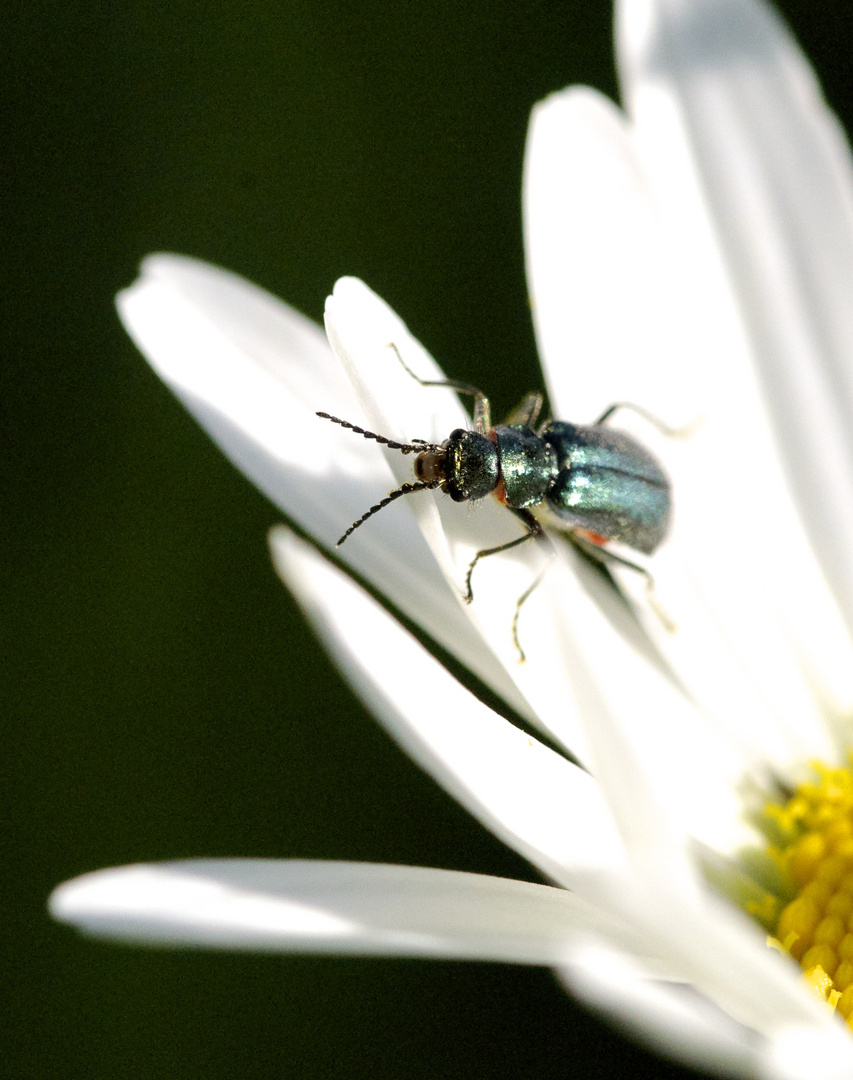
(152, 663)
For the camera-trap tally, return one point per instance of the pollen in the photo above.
(814, 856)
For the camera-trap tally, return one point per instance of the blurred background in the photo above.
(163, 697)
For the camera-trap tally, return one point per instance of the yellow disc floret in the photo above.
(815, 858)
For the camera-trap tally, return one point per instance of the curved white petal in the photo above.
(803, 1052)
(360, 327)
(605, 299)
(606, 314)
(362, 330)
(367, 337)
(673, 1018)
(524, 793)
(614, 316)
(291, 905)
(540, 804)
(724, 954)
(667, 773)
(253, 372)
(334, 907)
(370, 340)
(669, 1017)
(755, 180)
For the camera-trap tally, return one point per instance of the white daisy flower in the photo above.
(694, 255)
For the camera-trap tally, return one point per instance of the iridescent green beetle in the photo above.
(598, 483)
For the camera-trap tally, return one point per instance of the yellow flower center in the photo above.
(815, 858)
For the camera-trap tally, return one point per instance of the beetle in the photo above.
(597, 483)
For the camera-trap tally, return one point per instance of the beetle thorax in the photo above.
(528, 465)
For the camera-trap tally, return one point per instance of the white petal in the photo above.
(614, 324)
(723, 960)
(604, 295)
(361, 329)
(675, 1019)
(607, 314)
(755, 180)
(802, 1053)
(360, 326)
(253, 371)
(332, 907)
(724, 954)
(665, 773)
(367, 336)
(540, 804)
(668, 1017)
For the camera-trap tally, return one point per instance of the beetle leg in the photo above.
(604, 557)
(482, 409)
(655, 421)
(534, 532)
(534, 529)
(526, 413)
(537, 581)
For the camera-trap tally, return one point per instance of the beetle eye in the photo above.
(456, 493)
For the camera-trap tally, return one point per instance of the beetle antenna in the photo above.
(416, 446)
(406, 489)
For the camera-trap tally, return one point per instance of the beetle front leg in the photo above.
(482, 409)
(534, 532)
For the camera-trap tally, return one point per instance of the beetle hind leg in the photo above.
(650, 418)
(604, 557)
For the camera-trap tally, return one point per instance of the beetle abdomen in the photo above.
(608, 484)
